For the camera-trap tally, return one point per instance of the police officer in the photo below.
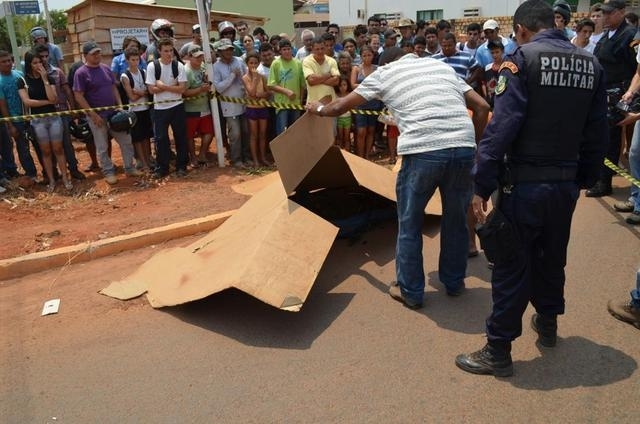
(551, 153)
(616, 54)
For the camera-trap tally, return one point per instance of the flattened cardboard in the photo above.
(252, 251)
(271, 248)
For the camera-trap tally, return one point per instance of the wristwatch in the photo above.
(319, 109)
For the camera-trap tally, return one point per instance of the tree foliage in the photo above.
(22, 24)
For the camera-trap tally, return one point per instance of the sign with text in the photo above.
(118, 35)
(25, 7)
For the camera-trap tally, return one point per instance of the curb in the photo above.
(84, 252)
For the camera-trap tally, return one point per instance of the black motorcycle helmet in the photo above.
(122, 120)
(80, 129)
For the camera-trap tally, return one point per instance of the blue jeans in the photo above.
(48, 130)
(634, 165)
(635, 293)
(541, 215)
(449, 170)
(69, 151)
(285, 118)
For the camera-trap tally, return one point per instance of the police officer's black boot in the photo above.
(493, 359)
(547, 328)
(601, 188)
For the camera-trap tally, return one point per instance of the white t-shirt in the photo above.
(166, 76)
(138, 84)
(426, 98)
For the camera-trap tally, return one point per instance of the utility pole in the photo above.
(47, 17)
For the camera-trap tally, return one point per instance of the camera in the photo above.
(618, 109)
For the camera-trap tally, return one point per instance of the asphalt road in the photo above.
(351, 355)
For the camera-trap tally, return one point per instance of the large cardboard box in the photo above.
(272, 248)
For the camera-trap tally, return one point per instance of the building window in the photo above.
(429, 15)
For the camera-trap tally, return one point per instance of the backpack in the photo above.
(158, 69)
(122, 91)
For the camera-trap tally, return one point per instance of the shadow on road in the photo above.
(249, 321)
(575, 362)
(463, 314)
(241, 317)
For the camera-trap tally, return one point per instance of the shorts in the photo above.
(392, 131)
(364, 121)
(344, 121)
(143, 129)
(256, 113)
(199, 125)
(48, 129)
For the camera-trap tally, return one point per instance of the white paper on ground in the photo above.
(50, 307)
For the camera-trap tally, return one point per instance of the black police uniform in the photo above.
(617, 56)
(550, 122)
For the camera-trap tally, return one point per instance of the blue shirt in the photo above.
(483, 54)
(9, 86)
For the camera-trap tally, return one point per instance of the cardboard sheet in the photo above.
(271, 248)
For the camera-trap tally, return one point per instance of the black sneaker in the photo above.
(489, 360)
(13, 173)
(76, 174)
(457, 292)
(157, 175)
(547, 328)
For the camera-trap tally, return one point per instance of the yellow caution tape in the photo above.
(622, 172)
(264, 103)
(276, 105)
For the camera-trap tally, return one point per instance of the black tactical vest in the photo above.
(561, 83)
(617, 56)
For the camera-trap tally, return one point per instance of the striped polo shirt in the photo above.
(426, 98)
(461, 62)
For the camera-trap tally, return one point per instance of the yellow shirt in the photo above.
(309, 67)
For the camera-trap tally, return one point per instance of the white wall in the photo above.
(344, 12)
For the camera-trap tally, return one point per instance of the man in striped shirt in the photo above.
(463, 63)
(438, 148)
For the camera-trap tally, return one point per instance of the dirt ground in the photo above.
(32, 220)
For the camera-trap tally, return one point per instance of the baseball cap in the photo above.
(390, 33)
(224, 44)
(90, 47)
(490, 24)
(195, 29)
(195, 51)
(610, 5)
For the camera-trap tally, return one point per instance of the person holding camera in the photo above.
(616, 54)
(547, 162)
(632, 100)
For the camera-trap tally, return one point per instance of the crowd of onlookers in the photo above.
(249, 65)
